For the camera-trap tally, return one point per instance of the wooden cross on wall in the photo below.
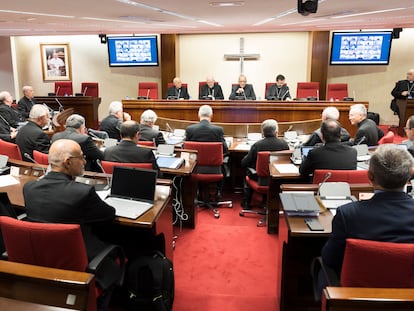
(241, 56)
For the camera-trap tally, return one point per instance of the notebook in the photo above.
(132, 191)
(169, 162)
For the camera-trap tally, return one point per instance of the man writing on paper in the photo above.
(332, 155)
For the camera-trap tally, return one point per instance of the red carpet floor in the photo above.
(226, 264)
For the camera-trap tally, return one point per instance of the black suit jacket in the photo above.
(5, 131)
(266, 144)
(368, 129)
(179, 93)
(334, 156)
(128, 152)
(387, 216)
(275, 93)
(112, 125)
(316, 137)
(24, 105)
(207, 132)
(147, 133)
(401, 86)
(11, 115)
(209, 93)
(248, 91)
(57, 198)
(87, 145)
(31, 137)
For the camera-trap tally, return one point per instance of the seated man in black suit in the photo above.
(177, 91)
(7, 112)
(26, 102)
(211, 90)
(387, 216)
(76, 130)
(146, 128)
(329, 113)
(57, 198)
(332, 155)
(112, 123)
(368, 132)
(7, 133)
(242, 90)
(127, 150)
(270, 142)
(279, 90)
(409, 131)
(31, 136)
(207, 132)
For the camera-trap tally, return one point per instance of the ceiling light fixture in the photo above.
(227, 4)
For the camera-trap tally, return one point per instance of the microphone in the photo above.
(84, 90)
(148, 92)
(363, 138)
(327, 176)
(27, 156)
(179, 92)
(57, 90)
(317, 94)
(289, 128)
(284, 94)
(50, 110)
(108, 180)
(169, 128)
(244, 94)
(60, 105)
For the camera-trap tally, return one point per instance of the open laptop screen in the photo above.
(134, 183)
(306, 149)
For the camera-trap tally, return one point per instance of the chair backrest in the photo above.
(149, 89)
(378, 264)
(307, 89)
(108, 166)
(40, 157)
(44, 244)
(208, 153)
(10, 149)
(90, 89)
(387, 138)
(63, 88)
(262, 164)
(337, 91)
(148, 143)
(349, 176)
(267, 85)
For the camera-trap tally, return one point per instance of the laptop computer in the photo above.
(132, 191)
(306, 149)
(3, 164)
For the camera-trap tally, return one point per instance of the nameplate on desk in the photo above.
(335, 202)
(287, 168)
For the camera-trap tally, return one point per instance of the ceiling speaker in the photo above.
(307, 7)
(396, 33)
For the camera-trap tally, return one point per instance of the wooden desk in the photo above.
(87, 106)
(157, 220)
(229, 111)
(18, 305)
(406, 107)
(43, 285)
(301, 247)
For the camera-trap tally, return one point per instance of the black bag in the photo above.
(150, 283)
(374, 117)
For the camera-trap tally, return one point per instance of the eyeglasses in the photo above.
(82, 156)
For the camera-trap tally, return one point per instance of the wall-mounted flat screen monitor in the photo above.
(132, 51)
(361, 48)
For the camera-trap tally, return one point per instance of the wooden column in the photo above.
(319, 54)
(168, 60)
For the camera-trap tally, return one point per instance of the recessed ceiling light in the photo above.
(227, 3)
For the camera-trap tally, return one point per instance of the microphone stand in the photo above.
(327, 176)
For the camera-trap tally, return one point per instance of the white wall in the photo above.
(203, 55)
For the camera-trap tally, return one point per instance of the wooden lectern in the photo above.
(406, 107)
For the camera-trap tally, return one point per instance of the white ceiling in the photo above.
(65, 17)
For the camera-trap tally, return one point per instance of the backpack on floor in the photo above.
(150, 283)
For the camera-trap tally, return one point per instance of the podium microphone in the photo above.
(60, 105)
(363, 138)
(289, 128)
(169, 128)
(327, 176)
(27, 156)
(244, 94)
(84, 90)
(148, 92)
(57, 90)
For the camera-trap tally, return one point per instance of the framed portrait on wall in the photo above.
(55, 61)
